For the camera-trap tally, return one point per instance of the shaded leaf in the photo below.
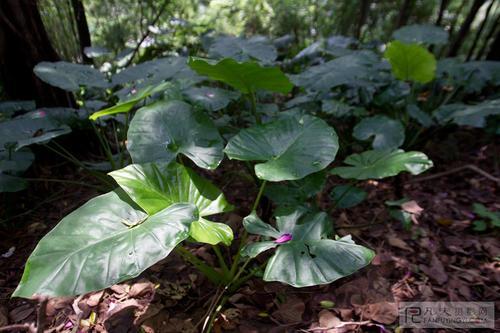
(241, 49)
(346, 196)
(162, 130)
(387, 133)
(421, 33)
(68, 76)
(378, 164)
(212, 99)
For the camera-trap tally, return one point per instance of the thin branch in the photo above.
(147, 32)
(458, 169)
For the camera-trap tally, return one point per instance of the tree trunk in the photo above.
(455, 18)
(23, 44)
(480, 31)
(490, 34)
(442, 8)
(494, 53)
(83, 28)
(465, 28)
(365, 6)
(405, 13)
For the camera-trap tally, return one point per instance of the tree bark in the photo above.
(442, 8)
(490, 34)
(494, 53)
(24, 43)
(405, 12)
(465, 28)
(83, 29)
(480, 31)
(365, 6)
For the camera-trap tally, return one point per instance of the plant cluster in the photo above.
(176, 117)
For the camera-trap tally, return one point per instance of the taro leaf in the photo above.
(127, 104)
(102, 243)
(296, 192)
(153, 71)
(353, 70)
(292, 147)
(336, 108)
(10, 107)
(421, 34)
(347, 196)
(16, 162)
(420, 116)
(155, 186)
(68, 76)
(483, 212)
(10, 183)
(468, 115)
(241, 49)
(24, 131)
(388, 133)
(212, 99)
(246, 77)
(162, 130)
(96, 51)
(308, 258)
(411, 62)
(378, 164)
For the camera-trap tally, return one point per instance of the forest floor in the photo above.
(440, 258)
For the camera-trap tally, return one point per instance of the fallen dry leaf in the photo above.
(382, 312)
(435, 271)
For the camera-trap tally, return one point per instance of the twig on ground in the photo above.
(455, 170)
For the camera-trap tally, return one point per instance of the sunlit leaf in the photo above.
(411, 62)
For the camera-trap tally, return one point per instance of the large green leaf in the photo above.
(102, 243)
(162, 130)
(355, 70)
(296, 192)
(411, 62)
(210, 98)
(306, 257)
(155, 186)
(241, 49)
(24, 131)
(127, 104)
(468, 115)
(378, 164)
(421, 33)
(388, 133)
(347, 196)
(68, 76)
(10, 183)
(246, 77)
(292, 147)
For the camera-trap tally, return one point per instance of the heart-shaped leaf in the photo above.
(246, 77)
(305, 257)
(212, 99)
(295, 192)
(241, 49)
(421, 33)
(104, 242)
(411, 62)
(292, 147)
(468, 115)
(388, 133)
(420, 116)
(155, 186)
(68, 76)
(25, 131)
(162, 130)
(347, 196)
(378, 164)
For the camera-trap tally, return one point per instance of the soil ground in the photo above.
(440, 257)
